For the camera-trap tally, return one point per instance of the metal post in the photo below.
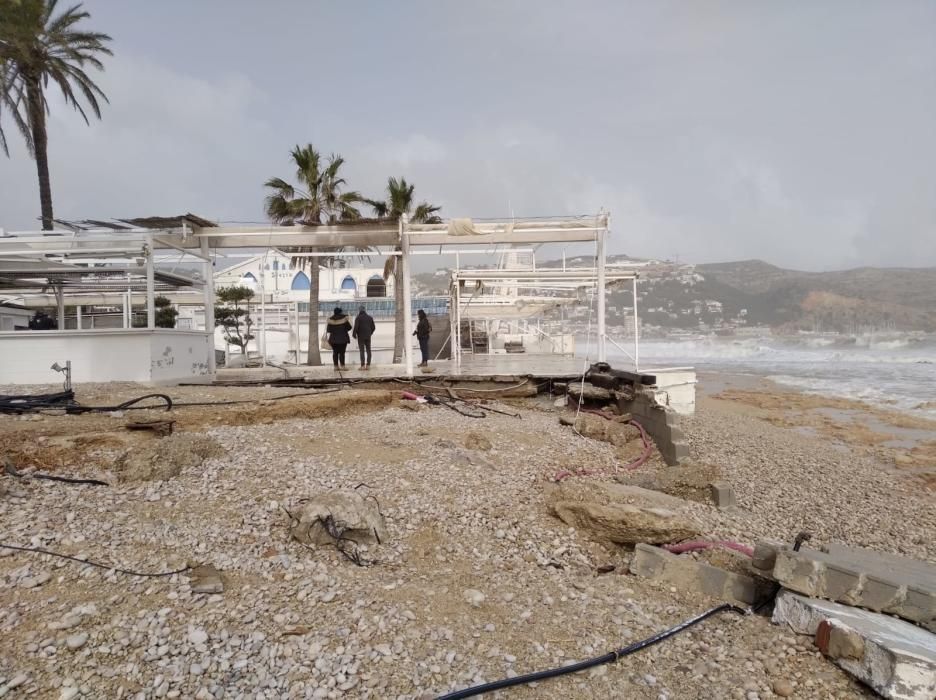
(456, 332)
(60, 298)
(600, 291)
(636, 330)
(208, 289)
(263, 265)
(407, 297)
(150, 285)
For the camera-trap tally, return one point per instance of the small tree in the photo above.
(232, 313)
(165, 314)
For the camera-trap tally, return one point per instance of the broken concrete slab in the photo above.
(619, 514)
(863, 578)
(347, 515)
(897, 659)
(688, 573)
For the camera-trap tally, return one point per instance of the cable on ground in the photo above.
(107, 567)
(589, 663)
(9, 469)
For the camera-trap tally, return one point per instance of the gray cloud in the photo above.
(798, 132)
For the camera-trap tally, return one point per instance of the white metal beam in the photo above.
(407, 296)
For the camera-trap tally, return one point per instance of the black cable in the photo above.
(243, 401)
(589, 663)
(39, 550)
(9, 469)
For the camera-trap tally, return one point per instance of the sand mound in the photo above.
(167, 457)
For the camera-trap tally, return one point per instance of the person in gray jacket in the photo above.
(364, 328)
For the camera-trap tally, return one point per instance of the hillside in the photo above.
(730, 296)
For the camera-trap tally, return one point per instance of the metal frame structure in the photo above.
(403, 238)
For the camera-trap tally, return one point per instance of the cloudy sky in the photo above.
(802, 132)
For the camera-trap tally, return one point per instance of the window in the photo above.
(301, 281)
(348, 284)
(376, 287)
(248, 278)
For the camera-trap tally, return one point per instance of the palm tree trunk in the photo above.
(315, 355)
(40, 137)
(399, 332)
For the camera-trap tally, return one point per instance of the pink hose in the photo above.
(409, 396)
(698, 545)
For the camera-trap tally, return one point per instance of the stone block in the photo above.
(765, 555)
(723, 494)
(895, 658)
(919, 605)
(879, 582)
(685, 572)
(879, 594)
(798, 573)
(841, 584)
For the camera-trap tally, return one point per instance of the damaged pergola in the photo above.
(106, 262)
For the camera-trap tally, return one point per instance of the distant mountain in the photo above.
(902, 298)
(730, 296)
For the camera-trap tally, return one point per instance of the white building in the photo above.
(281, 281)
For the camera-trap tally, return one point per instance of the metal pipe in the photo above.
(150, 285)
(600, 291)
(208, 300)
(636, 331)
(407, 296)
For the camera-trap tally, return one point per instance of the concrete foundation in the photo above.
(879, 582)
(895, 658)
(659, 422)
(685, 572)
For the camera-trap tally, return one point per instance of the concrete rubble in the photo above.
(619, 514)
(348, 513)
(686, 572)
(880, 582)
(895, 658)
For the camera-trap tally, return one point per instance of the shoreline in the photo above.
(460, 519)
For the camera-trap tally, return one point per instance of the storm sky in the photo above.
(802, 132)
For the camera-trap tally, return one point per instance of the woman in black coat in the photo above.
(338, 330)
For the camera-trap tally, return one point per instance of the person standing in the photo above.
(338, 330)
(422, 332)
(364, 328)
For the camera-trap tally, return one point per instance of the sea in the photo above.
(895, 370)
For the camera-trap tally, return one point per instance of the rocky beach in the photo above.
(476, 579)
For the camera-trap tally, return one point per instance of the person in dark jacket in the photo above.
(423, 329)
(364, 328)
(338, 329)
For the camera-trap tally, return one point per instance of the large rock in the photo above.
(167, 457)
(346, 514)
(619, 514)
(597, 428)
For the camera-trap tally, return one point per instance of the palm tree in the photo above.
(36, 48)
(318, 199)
(399, 202)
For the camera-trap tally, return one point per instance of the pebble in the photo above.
(474, 597)
(198, 636)
(782, 687)
(76, 641)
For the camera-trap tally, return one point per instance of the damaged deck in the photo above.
(478, 368)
